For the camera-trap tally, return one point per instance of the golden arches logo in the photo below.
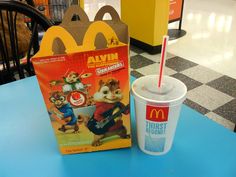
(157, 113)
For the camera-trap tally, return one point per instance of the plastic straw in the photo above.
(163, 58)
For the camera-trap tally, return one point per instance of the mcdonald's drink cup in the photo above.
(157, 112)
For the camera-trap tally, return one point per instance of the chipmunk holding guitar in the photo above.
(106, 120)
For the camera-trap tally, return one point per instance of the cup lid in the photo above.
(172, 90)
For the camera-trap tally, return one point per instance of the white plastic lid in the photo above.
(172, 91)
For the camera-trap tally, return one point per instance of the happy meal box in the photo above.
(86, 91)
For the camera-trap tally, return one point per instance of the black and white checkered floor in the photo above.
(210, 93)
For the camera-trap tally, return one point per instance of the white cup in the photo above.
(157, 112)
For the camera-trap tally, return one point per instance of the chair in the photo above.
(53, 9)
(14, 16)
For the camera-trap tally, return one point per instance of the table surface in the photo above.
(28, 147)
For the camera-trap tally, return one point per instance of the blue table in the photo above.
(28, 147)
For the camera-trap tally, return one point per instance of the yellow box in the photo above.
(147, 21)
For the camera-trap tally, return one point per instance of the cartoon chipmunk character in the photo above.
(66, 112)
(106, 120)
(72, 82)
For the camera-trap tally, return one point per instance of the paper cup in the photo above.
(157, 112)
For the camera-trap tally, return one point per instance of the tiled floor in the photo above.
(210, 39)
(209, 92)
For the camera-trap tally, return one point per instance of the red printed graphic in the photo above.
(157, 114)
(77, 98)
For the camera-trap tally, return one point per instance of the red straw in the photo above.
(163, 57)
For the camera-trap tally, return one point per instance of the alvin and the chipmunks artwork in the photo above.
(87, 97)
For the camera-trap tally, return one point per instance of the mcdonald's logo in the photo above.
(157, 114)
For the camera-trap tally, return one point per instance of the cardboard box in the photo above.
(86, 91)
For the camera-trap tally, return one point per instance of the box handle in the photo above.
(71, 45)
(107, 9)
(103, 28)
(49, 37)
(74, 10)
